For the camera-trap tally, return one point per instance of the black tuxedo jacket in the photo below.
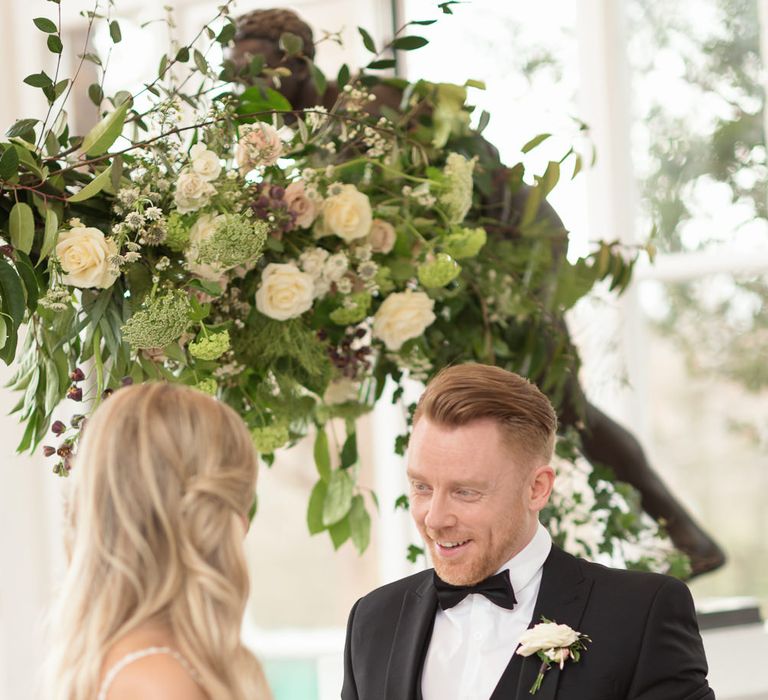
(645, 639)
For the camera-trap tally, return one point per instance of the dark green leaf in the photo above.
(349, 451)
(256, 65)
(95, 93)
(183, 54)
(409, 43)
(414, 552)
(262, 102)
(340, 532)
(423, 22)
(91, 58)
(318, 78)
(3, 332)
(402, 502)
(9, 163)
(550, 177)
(200, 62)
(114, 32)
(226, 34)
(54, 43)
(338, 500)
(28, 277)
(20, 127)
(163, 66)
(322, 455)
(58, 89)
(315, 508)
(21, 223)
(45, 25)
(343, 77)
(291, 43)
(367, 40)
(359, 524)
(535, 141)
(13, 294)
(381, 65)
(39, 80)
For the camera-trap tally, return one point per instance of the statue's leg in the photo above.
(606, 442)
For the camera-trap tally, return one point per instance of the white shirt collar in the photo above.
(524, 566)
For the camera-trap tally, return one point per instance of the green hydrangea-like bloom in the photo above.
(355, 309)
(237, 240)
(177, 233)
(270, 437)
(457, 198)
(439, 272)
(210, 347)
(207, 386)
(384, 281)
(162, 321)
(465, 242)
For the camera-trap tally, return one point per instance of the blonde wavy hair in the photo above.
(162, 481)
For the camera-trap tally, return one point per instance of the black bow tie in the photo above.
(497, 589)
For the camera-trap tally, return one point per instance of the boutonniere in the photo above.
(553, 644)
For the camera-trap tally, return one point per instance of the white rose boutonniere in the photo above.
(552, 643)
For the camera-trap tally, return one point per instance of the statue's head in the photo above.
(259, 31)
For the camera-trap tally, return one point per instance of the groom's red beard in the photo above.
(471, 565)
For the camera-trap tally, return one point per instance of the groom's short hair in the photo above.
(462, 394)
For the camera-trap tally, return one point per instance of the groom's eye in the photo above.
(418, 487)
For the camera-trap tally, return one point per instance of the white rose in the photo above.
(204, 162)
(285, 291)
(546, 635)
(347, 214)
(201, 231)
(382, 236)
(83, 254)
(300, 204)
(259, 144)
(192, 192)
(403, 316)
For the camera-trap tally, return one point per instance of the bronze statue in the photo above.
(604, 441)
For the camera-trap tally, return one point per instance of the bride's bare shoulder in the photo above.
(155, 677)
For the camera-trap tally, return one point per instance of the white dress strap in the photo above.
(140, 654)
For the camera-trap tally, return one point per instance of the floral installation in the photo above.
(553, 644)
(289, 262)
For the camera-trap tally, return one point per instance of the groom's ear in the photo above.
(541, 482)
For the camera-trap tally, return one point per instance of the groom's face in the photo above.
(473, 501)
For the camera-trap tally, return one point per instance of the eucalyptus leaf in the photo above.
(367, 40)
(114, 32)
(93, 187)
(22, 226)
(338, 500)
(182, 56)
(38, 80)
(45, 25)
(105, 133)
(54, 43)
(382, 65)
(95, 93)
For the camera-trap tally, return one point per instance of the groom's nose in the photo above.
(439, 513)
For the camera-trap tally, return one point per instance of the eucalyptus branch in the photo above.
(41, 138)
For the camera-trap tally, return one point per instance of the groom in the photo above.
(478, 465)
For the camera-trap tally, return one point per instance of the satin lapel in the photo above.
(414, 627)
(563, 595)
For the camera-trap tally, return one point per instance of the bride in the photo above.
(152, 603)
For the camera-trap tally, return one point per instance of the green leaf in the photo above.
(263, 102)
(322, 455)
(114, 32)
(12, 293)
(105, 133)
(20, 127)
(315, 509)
(52, 396)
(423, 22)
(58, 89)
(226, 34)
(183, 55)
(93, 187)
(200, 62)
(3, 332)
(550, 178)
(338, 500)
(163, 66)
(349, 451)
(367, 40)
(535, 141)
(409, 43)
(343, 77)
(28, 277)
(381, 65)
(28, 159)
(318, 78)
(340, 532)
(51, 231)
(291, 43)
(256, 65)
(359, 524)
(45, 25)
(54, 43)
(38, 80)
(485, 117)
(9, 163)
(95, 93)
(22, 227)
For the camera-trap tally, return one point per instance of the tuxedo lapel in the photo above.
(563, 595)
(414, 628)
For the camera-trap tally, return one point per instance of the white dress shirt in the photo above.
(473, 641)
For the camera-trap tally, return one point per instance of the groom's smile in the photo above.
(470, 498)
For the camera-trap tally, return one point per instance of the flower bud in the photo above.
(77, 420)
(49, 451)
(77, 375)
(58, 427)
(75, 393)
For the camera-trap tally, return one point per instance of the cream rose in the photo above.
(403, 316)
(382, 236)
(192, 192)
(260, 144)
(201, 231)
(285, 291)
(546, 635)
(83, 254)
(204, 162)
(300, 204)
(347, 214)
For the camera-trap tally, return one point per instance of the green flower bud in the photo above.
(465, 242)
(210, 347)
(438, 272)
(177, 232)
(270, 437)
(207, 386)
(354, 310)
